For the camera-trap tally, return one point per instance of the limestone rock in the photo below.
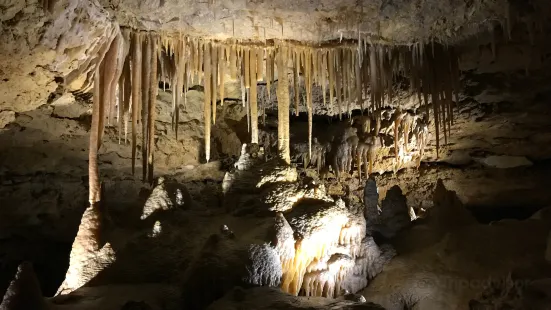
(448, 211)
(225, 262)
(165, 196)
(6, 117)
(505, 162)
(24, 291)
(88, 256)
(394, 213)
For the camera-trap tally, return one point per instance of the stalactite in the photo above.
(331, 65)
(373, 74)
(146, 78)
(323, 76)
(108, 81)
(253, 96)
(296, 68)
(269, 60)
(233, 62)
(175, 85)
(346, 81)
(247, 69)
(93, 170)
(120, 106)
(214, 74)
(283, 105)
(207, 98)
(126, 94)
(435, 105)
(179, 74)
(152, 103)
(222, 73)
(308, 82)
(136, 91)
(358, 78)
(243, 91)
(349, 72)
(259, 64)
(338, 67)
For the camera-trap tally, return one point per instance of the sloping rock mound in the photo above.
(275, 299)
(24, 291)
(511, 293)
(447, 258)
(120, 297)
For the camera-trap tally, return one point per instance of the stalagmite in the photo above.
(136, 91)
(283, 105)
(207, 102)
(253, 96)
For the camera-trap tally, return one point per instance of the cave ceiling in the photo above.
(385, 21)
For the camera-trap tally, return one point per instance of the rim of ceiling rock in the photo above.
(314, 21)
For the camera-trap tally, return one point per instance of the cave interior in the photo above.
(252, 154)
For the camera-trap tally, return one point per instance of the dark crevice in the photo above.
(487, 214)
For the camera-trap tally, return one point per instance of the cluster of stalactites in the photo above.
(347, 75)
(135, 61)
(128, 66)
(185, 61)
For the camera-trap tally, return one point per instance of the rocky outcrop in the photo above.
(24, 291)
(393, 215)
